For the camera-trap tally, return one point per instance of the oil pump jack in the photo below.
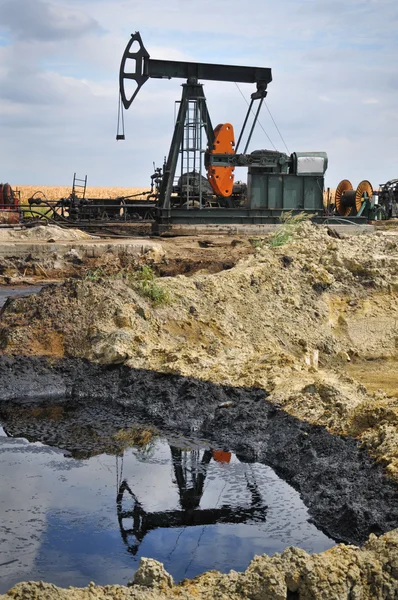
(276, 181)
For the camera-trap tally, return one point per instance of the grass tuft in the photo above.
(289, 224)
(137, 437)
(143, 281)
(256, 243)
(94, 275)
(149, 288)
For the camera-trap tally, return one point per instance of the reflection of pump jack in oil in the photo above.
(190, 475)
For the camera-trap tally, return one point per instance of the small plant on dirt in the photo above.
(126, 274)
(289, 225)
(144, 282)
(256, 243)
(149, 288)
(94, 275)
(146, 274)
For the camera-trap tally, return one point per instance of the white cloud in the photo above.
(370, 101)
(323, 98)
(44, 21)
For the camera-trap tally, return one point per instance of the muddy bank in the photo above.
(343, 572)
(347, 494)
(288, 320)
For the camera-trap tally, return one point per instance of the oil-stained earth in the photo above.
(252, 357)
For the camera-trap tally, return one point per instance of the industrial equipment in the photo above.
(388, 198)
(276, 181)
(78, 209)
(349, 201)
(364, 202)
(196, 183)
(8, 204)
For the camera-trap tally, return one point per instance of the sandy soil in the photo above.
(42, 233)
(379, 376)
(287, 320)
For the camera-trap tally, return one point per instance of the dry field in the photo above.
(57, 192)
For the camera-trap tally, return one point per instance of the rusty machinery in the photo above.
(9, 200)
(76, 208)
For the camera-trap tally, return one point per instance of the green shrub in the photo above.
(149, 288)
(94, 275)
(143, 281)
(289, 224)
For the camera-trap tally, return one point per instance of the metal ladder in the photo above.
(191, 151)
(79, 187)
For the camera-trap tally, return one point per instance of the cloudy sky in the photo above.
(334, 89)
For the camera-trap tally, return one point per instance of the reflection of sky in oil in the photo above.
(59, 517)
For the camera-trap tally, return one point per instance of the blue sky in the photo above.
(334, 89)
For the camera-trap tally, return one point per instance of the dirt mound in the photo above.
(370, 573)
(43, 233)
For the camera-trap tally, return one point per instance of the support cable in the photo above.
(277, 128)
(245, 99)
(202, 532)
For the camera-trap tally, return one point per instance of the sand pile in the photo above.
(43, 233)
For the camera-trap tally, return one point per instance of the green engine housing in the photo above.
(277, 182)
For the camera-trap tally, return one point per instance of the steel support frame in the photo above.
(192, 90)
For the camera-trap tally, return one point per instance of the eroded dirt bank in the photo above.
(53, 253)
(287, 320)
